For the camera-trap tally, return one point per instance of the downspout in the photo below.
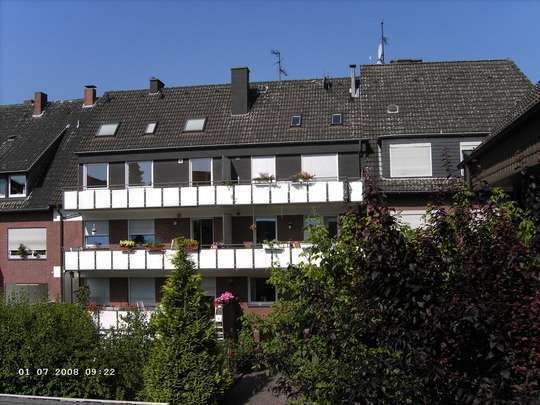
(62, 274)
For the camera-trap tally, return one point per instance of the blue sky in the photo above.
(59, 46)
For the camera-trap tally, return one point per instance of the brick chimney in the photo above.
(40, 102)
(155, 85)
(239, 90)
(89, 95)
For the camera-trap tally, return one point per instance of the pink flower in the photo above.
(225, 298)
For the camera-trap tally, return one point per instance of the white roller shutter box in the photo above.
(32, 238)
(410, 160)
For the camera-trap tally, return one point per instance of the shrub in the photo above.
(186, 364)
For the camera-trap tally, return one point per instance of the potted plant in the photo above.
(22, 251)
(272, 245)
(190, 245)
(154, 247)
(303, 177)
(127, 245)
(225, 298)
(264, 178)
(248, 244)
(253, 227)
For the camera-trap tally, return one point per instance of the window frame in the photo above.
(466, 146)
(410, 145)
(143, 234)
(153, 128)
(117, 124)
(203, 127)
(85, 176)
(253, 177)
(25, 193)
(191, 171)
(340, 115)
(260, 303)
(269, 219)
(4, 188)
(86, 245)
(292, 125)
(126, 174)
(315, 178)
(30, 255)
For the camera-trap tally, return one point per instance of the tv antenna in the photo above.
(281, 70)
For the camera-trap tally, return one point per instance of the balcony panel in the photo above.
(171, 197)
(263, 258)
(280, 193)
(356, 191)
(261, 193)
(317, 191)
(169, 254)
(136, 197)
(244, 258)
(87, 259)
(224, 195)
(137, 260)
(282, 258)
(70, 200)
(153, 197)
(207, 258)
(103, 260)
(225, 258)
(71, 261)
(154, 261)
(120, 260)
(119, 198)
(193, 257)
(103, 198)
(335, 191)
(86, 200)
(207, 195)
(298, 193)
(188, 196)
(242, 194)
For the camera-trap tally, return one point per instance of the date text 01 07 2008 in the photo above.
(63, 372)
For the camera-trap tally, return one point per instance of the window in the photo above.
(96, 233)
(296, 120)
(107, 129)
(17, 186)
(323, 167)
(99, 290)
(337, 119)
(201, 171)
(465, 149)
(195, 124)
(96, 175)
(142, 291)
(310, 222)
(266, 229)
(27, 243)
(142, 231)
(392, 109)
(150, 128)
(3, 187)
(410, 160)
(260, 291)
(203, 231)
(139, 173)
(412, 218)
(331, 224)
(263, 166)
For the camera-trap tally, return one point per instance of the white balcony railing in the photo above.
(205, 259)
(281, 192)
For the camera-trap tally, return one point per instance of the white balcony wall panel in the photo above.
(298, 193)
(296, 255)
(207, 259)
(282, 258)
(335, 191)
(207, 195)
(120, 260)
(70, 200)
(154, 261)
(244, 259)
(261, 194)
(108, 319)
(225, 258)
(193, 257)
(153, 197)
(169, 254)
(103, 259)
(87, 260)
(71, 261)
(280, 193)
(119, 198)
(263, 259)
(171, 197)
(136, 197)
(137, 260)
(188, 196)
(317, 191)
(243, 194)
(356, 191)
(86, 200)
(103, 198)
(224, 195)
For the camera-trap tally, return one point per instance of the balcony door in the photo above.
(266, 229)
(203, 231)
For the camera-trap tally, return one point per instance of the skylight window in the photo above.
(195, 124)
(296, 120)
(107, 129)
(337, 119)
(150, 128)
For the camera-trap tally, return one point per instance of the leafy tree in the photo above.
(186, 365)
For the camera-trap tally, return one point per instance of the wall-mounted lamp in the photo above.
(93, 229)
(290, 225)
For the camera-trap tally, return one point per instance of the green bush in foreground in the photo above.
(186, 364)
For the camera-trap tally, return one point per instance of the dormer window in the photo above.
(150, 128)
(392, 109)
(107, 129)
(296, 120)
(195, 124)
(337, 119)
(17, 186)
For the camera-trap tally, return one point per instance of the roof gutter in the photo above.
(434, 134)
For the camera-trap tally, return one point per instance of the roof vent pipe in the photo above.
(354, 91)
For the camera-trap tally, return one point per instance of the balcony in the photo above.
(226, 257)
(280, 192)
